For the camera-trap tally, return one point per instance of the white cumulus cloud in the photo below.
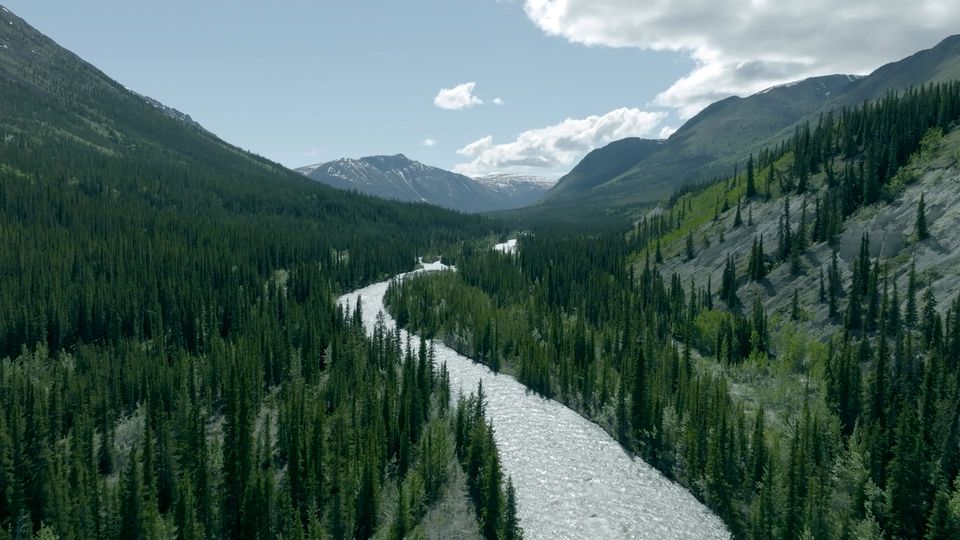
(429, 142)
(666, 132)
(743, 46)
(556, 148)
(459, 97)
(497, 101)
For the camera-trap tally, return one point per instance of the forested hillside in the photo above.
(833, 416)
(174, 365)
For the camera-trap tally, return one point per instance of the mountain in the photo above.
(724, 133)
(146, 262)
(76, 134)
(649, 170)
(604, 163)
(403, 179)
(520, 189)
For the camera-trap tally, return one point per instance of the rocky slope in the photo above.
(890, 227)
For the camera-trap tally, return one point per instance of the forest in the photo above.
(873, 450)
(174, 361)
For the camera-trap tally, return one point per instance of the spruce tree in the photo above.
(910, 310)
(909, 487)
(943, 522)
(921, 227)
(105, 450)
(511, 521)
(638, 399)
(623, 421)
(8, 478)
(756, 267)
(751, 182)
(133, 514)
(367, 495)
(492, 498)
(758, 449)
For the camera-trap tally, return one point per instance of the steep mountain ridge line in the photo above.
(711, 143)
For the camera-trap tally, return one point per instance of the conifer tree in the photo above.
(8, 508)
(910, 310)
(758, 449)
(511, 522)
(756, 267)
(909, 485)
(133, 514)
(638, 399)
(943, 521)
(728, 286)
(367, 506)
(921, 227)
(623, 422)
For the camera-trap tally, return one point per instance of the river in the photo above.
(572, 479)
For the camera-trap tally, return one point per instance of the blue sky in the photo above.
(302, 82)
(307, 81)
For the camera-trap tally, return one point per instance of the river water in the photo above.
(572, 479)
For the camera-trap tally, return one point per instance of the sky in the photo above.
(476, 86)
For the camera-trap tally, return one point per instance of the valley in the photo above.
(563, 464)
(735, 320)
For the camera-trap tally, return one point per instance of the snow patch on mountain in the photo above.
(400, 178)
(502, 180)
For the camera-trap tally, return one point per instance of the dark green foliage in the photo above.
(910, 309)
(839, 467)
(921, 227)
(495, 503)
(757, 266)
(134, 519)
(164, 291)
(511, 523)
(943, 522)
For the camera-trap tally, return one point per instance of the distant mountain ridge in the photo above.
(520, 189)
(398, 177)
